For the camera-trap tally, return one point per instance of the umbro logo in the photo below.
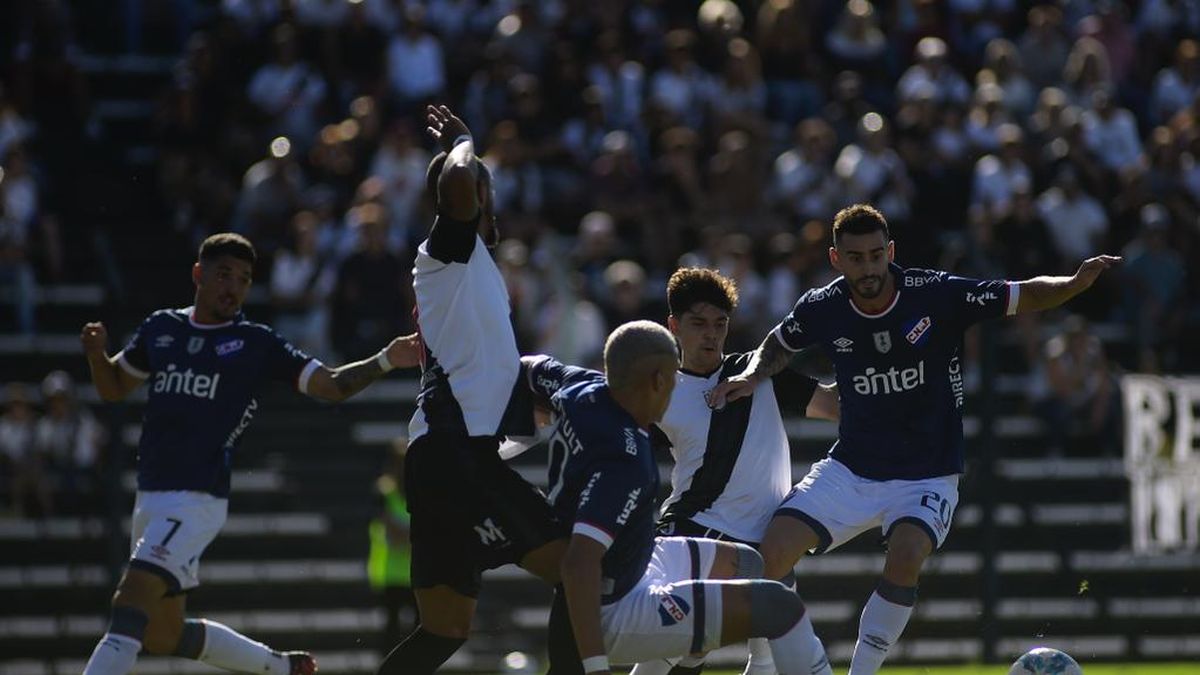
(164, 341)
(843, 345)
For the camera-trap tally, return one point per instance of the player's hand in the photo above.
(94, 338)
(406, 351)
(1091, 268)
(444, 126)
(738, 386)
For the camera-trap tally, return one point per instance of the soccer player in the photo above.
(632, 597)
(469, 510)
(732, 467)
(203, 365)
(894, 337)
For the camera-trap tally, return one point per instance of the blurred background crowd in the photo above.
(1002, 138)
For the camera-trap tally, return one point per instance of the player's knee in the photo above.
(777, 562)
(774, 609)
(748, 563)
(162, 637)
(907, 556)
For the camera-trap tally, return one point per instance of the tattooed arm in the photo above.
(770, 358)
(339, 384)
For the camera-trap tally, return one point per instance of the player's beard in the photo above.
(226, 307)
(864, 289)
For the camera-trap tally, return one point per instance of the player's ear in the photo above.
(196, 270)
(891, 250)
(672, 323)
(834, 259)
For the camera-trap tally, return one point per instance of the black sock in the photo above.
(564, 655)
(687, 670)
(420, 654)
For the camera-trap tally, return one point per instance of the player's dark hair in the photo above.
(689, 286)
(227, 244)
(859, 219)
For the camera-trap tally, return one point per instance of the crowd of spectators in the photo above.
(626, 137)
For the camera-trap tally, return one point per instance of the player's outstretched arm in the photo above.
(769, 359)
(581, 581)
(339, 384)
(458, 184)
(1041, 293)
(113, 383)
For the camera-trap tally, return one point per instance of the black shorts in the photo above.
(469, 511)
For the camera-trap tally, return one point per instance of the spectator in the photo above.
(372, 296)
(931, 68)
(400, 164)
(1083, 403)
(25, 467)
(71, 440)
(802, 181)
(870, 171)
(681, 88)
(300, 287)
(415, 65)
(271, 191)
(18, 203)
(390, 554)
(1002, 66)
(1076, 221)
(790, 63)
(856, 41)
(1112, 135)
(1043, 46)
(997, 176)
(288, 92)
(1152, 299)
(1087, 70)
(1176, 87)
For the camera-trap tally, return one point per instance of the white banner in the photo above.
(1162, 460)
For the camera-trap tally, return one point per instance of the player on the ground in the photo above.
(732, 467)
(632, 597)
(470, 511)
(894, 337)
(203, 365)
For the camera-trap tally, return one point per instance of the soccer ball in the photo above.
(1045, 661)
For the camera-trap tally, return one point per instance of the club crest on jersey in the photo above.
(843, 345)
(229, 347)
(672, 609)
(163, 341)
(195, 344)
(883, 342)
(918, 330)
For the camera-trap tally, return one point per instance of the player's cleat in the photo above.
(302, 663)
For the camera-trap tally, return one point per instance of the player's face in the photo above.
(701, 332)
(863, 259)
(221, 286)
(664, 386)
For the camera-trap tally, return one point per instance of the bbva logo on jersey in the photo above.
(672, 609)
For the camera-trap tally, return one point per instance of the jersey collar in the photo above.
(209, 326)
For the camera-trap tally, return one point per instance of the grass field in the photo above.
(975, 669)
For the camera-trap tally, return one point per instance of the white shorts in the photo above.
(169, 532)
(841, 505)
(668, 613)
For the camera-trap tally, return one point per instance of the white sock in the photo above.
(227, 649)
(761, 662)
(114, 655)
(799, 651)
(881, 624)
(656, 667)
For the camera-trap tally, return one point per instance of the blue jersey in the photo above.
(603, 475)
(898, 372)
(201, 381)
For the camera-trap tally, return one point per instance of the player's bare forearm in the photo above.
(1046, 292)
(458, 182)
(581, 582)
(768, 360)
(352, 378)
(106, 377)
(824, 404)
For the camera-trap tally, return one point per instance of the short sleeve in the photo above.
(791, 331)
(287, 363)
(614, 488)
(793, 390)
(135, 357)
(974, 300)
